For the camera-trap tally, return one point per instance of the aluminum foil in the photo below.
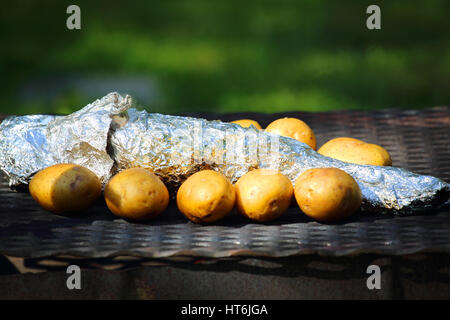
(31, 143)
(106, 139)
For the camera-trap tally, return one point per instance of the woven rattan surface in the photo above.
(416, 140)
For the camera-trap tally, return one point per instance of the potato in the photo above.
(64, 188)
(263, 195)
(327, 194)
(293, 128)
(206, 196)
(136, 194)
(356, 151)
(247, 123)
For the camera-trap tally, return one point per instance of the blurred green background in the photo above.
(225, 56)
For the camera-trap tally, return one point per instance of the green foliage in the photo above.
(225, 56)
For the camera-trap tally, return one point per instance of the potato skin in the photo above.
(136, 194)
(293, 128)
(263, 195)
(206, 196)
(247, 123)
(65, 188)
(327, 194)
(356, 151)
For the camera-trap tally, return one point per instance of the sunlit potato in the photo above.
(245, 123)
(293, 128)
(263, 195)
(136, 194)
(206, 196)
(327, 194)
(65, 188)
(356, 151)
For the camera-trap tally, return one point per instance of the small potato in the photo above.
(263, 194)
(64, 188)
(247, 123)
(293, 128)
(206, 196)
(327, 194)
(356, 151)
(136, 194)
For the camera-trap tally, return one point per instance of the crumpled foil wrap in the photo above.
(108, 136)
(31, 143)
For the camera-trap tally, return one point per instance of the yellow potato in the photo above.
(206, 196)
(263, 194)
(356, 151)
(327, 194)
(247, 123)
(136, 194)
(293, 128)
(65, 188)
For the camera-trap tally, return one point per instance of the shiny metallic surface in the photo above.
(105, 139)
(31, 143)
(174, 147)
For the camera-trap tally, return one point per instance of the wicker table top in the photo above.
(417, 140)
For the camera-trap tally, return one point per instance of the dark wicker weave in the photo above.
(417, 140)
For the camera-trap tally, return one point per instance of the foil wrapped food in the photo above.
(108, 135)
